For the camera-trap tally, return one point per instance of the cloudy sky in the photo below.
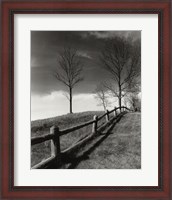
(47, 94)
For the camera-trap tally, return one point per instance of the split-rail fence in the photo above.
(55, 134)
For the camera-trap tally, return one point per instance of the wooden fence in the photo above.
(55, 134)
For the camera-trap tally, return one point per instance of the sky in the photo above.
(47, 94)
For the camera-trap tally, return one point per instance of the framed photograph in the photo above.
(85, 99)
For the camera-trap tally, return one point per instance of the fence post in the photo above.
(117, 111)
(55, 144)
(94, 127)
(107, 115)
(114, 112)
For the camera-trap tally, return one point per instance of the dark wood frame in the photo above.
(11, 7)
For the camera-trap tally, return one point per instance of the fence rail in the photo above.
(55, 134)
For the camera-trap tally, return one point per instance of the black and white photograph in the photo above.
(86, 99)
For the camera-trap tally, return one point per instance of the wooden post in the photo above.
(107, 115)
(114, 112)
(94, 127)
(117, 112)
(55, 144)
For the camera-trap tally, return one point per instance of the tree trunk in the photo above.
(104, 106)
(70, 94)
(119, 98)
(119, 101)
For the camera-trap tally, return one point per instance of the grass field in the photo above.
(119, 149)
(41, 151)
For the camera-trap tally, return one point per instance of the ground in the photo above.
(42, 151)
(121, 149)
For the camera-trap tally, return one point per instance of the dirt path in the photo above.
(120, 149)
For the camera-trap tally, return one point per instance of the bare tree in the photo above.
(102, 96)
(121, 58)
(69, 71)
(134, 102)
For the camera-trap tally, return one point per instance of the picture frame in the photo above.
(162, 9)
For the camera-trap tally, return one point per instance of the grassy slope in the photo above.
(121, 149)
(41, 151)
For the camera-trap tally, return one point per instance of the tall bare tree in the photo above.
(101, 96)
(69, 71)
(121, 58)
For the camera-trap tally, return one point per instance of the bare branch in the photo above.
(66, 94)
(111, 89)
(122, 59)
(69, 70)
(102, 96)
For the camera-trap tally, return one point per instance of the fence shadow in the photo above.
(70, 155)
(74, 161)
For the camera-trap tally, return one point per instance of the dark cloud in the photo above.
(45, 46)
